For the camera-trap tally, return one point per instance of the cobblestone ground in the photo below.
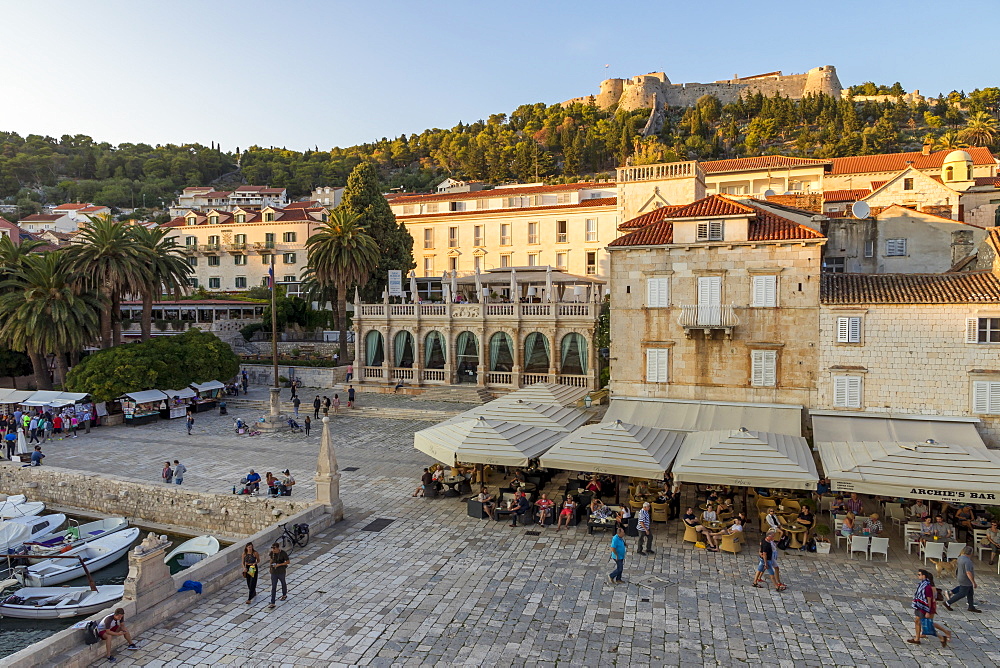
(439, 588)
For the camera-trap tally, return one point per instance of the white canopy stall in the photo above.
(616, 448)
(685, 415)
(546, 393)
(546, 416)
(482, 441)
(746, 458)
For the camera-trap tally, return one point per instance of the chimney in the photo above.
(926, 149)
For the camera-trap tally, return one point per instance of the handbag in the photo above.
(927, 627)
(784, 542)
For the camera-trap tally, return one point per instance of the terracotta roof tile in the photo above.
(92, 209)
(302, 205)
(42, 218)
(70, 207)
(958, 288)
(498, 192)
(650, 217)
(758, 162)
(846, 195)
(596, 201)
(713, 205)
(896, 162)
(988, 181)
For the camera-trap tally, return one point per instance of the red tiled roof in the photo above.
(878, 184)
(498, 192)
(70, 207)
(896, 162)
(302, 205)
(596, 201)
(218, 194)
(988, 181)
(713, 205)
(42, 218)
(758, 162)
(650, 217)
(91, 209)
(958, 288)
(846, 195)
(261, 190)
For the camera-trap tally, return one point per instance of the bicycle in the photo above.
(298, 535)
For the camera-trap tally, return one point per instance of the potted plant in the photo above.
(822, 539)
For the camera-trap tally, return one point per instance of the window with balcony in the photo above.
(289, 258)
(190, 241)
(478, 235)
(532, 259)
(561, 261)
(452, 237)
(657, 365)
(711, 230)
(849, 329)
(213, 240)
(289, 237)
(658, 292)
(986, 397)
(847, 391)
(982, 330)
(505, 234)
(428, 266)
(764, 290)
(591, 263)
(240, 239)
(240, 260)
(895, 247)
(505, 260)
(240, 282)
(763, 368)
(214, 260)
(214, 283)
(269, 240)
(562, 232)
(532, 233)
(591, 229)
(428, 237)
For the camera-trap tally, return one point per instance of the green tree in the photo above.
(980, 130)
(342, 254)
(167, 270)
(363, 198)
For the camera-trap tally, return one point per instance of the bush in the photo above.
(249, 330)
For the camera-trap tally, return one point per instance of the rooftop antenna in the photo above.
(768, 194)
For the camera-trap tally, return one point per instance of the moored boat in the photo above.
(192, 551)
(39, 526)
(96, 555)
(73, 536)
(59, 602)
(9, 509)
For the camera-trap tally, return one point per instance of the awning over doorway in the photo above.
(746, 458)
(683, 415)
(616, 448)
(909, 457)
(482, 441)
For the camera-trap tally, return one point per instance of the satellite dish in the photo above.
(861, 210)
(769, 193)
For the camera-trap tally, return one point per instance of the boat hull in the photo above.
(88, 603)
(97, 554)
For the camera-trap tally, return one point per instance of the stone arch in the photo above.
(374, 348)
(435, 350)
(403, 349)
(537, 353)
(467, 356)
(573, 354)
(501, 352)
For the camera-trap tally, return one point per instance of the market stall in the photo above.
(178, 402)
(207, 395)
(142, 407)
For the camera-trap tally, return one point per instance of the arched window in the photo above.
(402, 349)
(573, 351)
(968, 172)
(435, 352)
(467, 356)
(501, 352)
(537, 356)
(374, 349)
(949, 173)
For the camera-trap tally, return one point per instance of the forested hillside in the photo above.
(534, 142)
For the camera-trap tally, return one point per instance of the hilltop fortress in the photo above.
(651, 91)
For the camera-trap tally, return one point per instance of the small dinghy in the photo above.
(58, 602)
(14, 499)
(13, 536)
(74, 536)
(9, 509)
(190, 552)
(96, 555)
(40, 526)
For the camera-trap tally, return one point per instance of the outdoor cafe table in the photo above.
(797, 531)
(451, 482)
(714, 526)
(604, 524)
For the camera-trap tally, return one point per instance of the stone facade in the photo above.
(644, 188)
(263, 374)
(912, 359)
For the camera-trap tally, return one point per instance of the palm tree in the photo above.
(950, 141)
(44, 309)
(341, 254)
(12, 254)
(168, 270)
(981, 129)
(114, 265)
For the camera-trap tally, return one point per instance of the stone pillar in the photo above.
(418, 355)
(275, 419)
(482, 368)
(148, 583)
(328, 475)
(275, 403)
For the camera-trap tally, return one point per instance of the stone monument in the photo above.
(328, 475)
(149, 581)
(275, 420)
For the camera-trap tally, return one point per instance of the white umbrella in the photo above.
(454, 282)
(445, 293)
(548, 283)
(414, 294)
(513, 285)
(479, 287)
(22, 445)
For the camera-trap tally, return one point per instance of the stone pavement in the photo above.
(439, 588)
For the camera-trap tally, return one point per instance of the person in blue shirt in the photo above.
(618, 555)
(253, 481)
(522, 506)
(37, 456)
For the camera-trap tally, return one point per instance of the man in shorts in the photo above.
(768, 562)
(111, 627)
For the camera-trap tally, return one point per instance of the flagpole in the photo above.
(274, 321)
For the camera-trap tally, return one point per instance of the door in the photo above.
(709, 300)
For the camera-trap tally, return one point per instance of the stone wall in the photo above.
(263, 374)
(166, 504)
(912, 359)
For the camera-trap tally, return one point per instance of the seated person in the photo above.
(287, 482)
(808, 520)
(545, 506)
(838, 507)
(873, 527)
(772, 519)
(940, 530)
(598, 510)
(964, 518)
(567, 513)
(847, 528)
(623, 516)
(518, 479)
(642, 489)
(594, 486)
(690, 519)
(252, 482)
(425, 482)
(919, 510)
(713, 537)
(240, 424)
(709, 515)
(521, 507)
(663, 496)
(272, 484)
(822, 487)
(487, 500)
(725, 507)
(436, 477)
(992, 541)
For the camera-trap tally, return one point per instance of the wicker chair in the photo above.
(732, 542)
(659, 513)
(691, 535)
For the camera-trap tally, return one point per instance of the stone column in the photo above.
(148, 583)
(328, 475)
(275, 419)
(387, 354)
(418, 355)
(482, 368)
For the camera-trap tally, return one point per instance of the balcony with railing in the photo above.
(264, 247)
(707, 318)
(237, 249)
(210, 249)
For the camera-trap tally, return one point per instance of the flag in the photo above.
(270, 277)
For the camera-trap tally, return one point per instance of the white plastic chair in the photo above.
(933, 550)
(954, 550)
(825, 503)
(860, 544)
(898, 517)
(879, 546)
(978, 537)
(837, 526)
(911, 535)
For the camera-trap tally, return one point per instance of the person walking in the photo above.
(326, 405)
(336, 404)
(350, 371)
(251, 561)
(245, 381)
(308, 424)
(645, 527)
(279, 566)
(768, 562)
(179, 471)
(11, 440)
(618, 550)
(189, 421)
(293, 386)
(316, 406)
(925, 609)
(296, 402)
(57, 426)
(351, 397)
(167, 473)
(966, 588)
(33, 430)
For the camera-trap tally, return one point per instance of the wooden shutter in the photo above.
(854, 391)
(986, 397)
(972, 330)
(709, 290)
(765, 290)
(843, 330)
(715, 230)
(763, 365)
(847, 391)
(657, 292)
(656, 365)
(702, 231)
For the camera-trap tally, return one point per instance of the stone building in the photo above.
(718, 301)
(203, 198)
(912, 345)
(758, 175)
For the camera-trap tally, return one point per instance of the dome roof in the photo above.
(958, 156)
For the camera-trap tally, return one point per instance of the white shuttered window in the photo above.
(658, 292)
(764, 290)
(986, 397)
(763, 368)
(657, 366)
(847, 391)
(849, 330)
(709, 290)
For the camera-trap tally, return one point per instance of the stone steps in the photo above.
(367, 411)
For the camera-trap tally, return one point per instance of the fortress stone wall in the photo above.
(645, 91)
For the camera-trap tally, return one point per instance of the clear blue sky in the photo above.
(301, 73)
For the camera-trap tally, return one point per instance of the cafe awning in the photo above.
(72, 397)
(482, 441)
(41, 398)
(146, 396)
(547, 393)
(546, 416)
(616, 448)
(746, 458)
(683, 415)
(909, 457)
(208, 385)
(16, 396)
(185, 393)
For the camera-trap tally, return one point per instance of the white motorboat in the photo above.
(74, 536)
(12, 536)
(58, 602)
(15, 499)
(41, 526)
(9, 509)
(190, 552)
(96, 555)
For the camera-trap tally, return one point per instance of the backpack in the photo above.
(90, 636)
(784, 542)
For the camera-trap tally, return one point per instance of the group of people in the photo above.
(927, 596)
(277, 566)
(173, 474)
(275, 486)
(326, 403)
(38, 426)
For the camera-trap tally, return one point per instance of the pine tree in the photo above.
(363, 197)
